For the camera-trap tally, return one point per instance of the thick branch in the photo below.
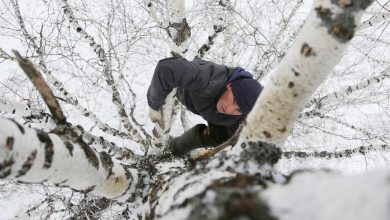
(61, 158)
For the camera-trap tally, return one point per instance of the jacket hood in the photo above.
(239, 72)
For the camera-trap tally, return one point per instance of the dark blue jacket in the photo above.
(199, 85)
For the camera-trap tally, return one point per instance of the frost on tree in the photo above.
(240, 182)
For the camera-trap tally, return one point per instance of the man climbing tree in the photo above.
(223, 96)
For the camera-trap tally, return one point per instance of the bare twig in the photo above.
(133, 131)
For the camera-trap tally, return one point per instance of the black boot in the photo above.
(188, 141)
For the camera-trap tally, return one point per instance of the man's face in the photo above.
(227, 104)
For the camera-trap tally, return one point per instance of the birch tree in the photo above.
(106, 158)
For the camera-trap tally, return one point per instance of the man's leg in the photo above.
(215, 135)
(199, 136)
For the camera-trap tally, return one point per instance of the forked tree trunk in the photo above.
(234, 184)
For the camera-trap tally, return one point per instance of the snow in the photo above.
(327, 195)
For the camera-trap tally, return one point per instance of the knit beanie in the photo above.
(245, 92)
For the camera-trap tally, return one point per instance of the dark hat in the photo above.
(245, 92)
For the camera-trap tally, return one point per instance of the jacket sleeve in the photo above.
(175, 72)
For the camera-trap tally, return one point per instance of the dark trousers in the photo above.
(200, 136)
(214, 135)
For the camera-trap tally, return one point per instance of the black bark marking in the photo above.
(353, 5)
(107, 163)
(27, 164)
(342, 25)
(69, 146)
(267, 134)
(5, 174)
(349, 90)
(4, 165)
(90, 154)
(49, 150)
(18, 125)
(10, 143)
(89, 189)
(295, 72)
(183, 31)
(307, 50)
(233, 200)
(262, 152)
(290, 85)
(127, 172)
(60, 183)
(282, 130)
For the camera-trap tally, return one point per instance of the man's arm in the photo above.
(176, 72)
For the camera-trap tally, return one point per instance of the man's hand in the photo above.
(156, 117)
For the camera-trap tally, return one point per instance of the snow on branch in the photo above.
(347, 153)
(18, 108)
(161, 134)
(210, 41)
(374, 20)
(69, 98)
(136, 135)
(348, 90)
(61, 158)
(350, 126)
(101, 144)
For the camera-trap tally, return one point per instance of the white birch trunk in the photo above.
(33, 156)
(179, 33)
(317, 49)
(178, 28)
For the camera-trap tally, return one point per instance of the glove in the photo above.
(156, 117)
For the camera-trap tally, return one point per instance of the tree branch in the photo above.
(348, 153)
(61, 158)
(40, 84)
(116, 98)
